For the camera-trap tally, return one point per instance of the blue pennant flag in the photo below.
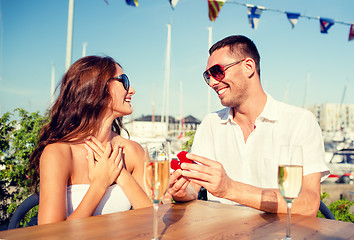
(293, 17)
(254, 13)
(133, 3)
(325, 24)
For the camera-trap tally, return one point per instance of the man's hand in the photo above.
(180, 188)
(178, 184)
(209, 174)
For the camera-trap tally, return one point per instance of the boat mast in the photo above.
(52, 85)
(181, 121)
(84, 45)
(69, 39)
(153, 103)
(341, 112)
(307, 90)
(210, 29)
(166, 92)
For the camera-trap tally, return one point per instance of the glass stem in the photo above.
(156, 208)
(288, 219)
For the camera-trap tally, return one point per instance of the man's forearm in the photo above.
(270, 200)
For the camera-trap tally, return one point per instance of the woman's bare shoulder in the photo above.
(133, 151)
(128, 144)
(59, 147)
(56, 163)
(57, 152)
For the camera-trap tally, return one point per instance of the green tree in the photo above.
(340, 209)
(18, 140)
(188, 144)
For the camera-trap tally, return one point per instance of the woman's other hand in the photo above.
(105, 165)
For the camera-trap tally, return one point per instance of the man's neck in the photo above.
(246, 114)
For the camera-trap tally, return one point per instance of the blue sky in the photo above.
(33, 36)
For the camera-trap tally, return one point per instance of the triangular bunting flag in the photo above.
(133, 3)
(254, 13)
(173, 3)
(351, 32)
(293, 17)
(325, 24)
(214, 8)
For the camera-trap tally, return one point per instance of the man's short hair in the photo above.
(240, 46)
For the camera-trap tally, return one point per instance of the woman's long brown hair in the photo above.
(83, 97)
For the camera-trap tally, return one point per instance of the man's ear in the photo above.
(250, 67)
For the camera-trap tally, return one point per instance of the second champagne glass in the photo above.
(156, 175)
(290, 178)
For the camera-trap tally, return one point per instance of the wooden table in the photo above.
(194, 220)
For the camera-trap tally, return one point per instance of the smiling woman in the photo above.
(119, 97)
(84, 166)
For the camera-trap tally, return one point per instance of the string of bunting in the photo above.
(135, 3)
(254, 14)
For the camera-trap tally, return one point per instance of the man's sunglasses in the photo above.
(124, 80)
(218, 71)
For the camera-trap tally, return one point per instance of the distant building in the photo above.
(152, 127)
(334, 117)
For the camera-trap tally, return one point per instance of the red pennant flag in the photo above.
(214, 8)
(351, 32)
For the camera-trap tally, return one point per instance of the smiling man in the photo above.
(237, 148)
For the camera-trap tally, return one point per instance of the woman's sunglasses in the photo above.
(124, 80)
(218, 71)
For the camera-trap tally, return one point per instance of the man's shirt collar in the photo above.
(269, 112)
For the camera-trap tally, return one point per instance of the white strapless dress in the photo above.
(113, 201)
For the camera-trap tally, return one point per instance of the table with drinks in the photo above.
(196, 219)
(192, 220)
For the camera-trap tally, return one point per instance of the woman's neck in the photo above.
(104, 131)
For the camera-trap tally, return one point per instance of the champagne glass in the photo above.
(156, 175)
(290, 178)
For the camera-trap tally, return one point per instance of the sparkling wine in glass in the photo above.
(290, 178)
(156, 175)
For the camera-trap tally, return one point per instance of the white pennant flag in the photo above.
(254, 13)
(293, 18)
(173, 3)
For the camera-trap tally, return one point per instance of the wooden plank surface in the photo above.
(193, 220)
